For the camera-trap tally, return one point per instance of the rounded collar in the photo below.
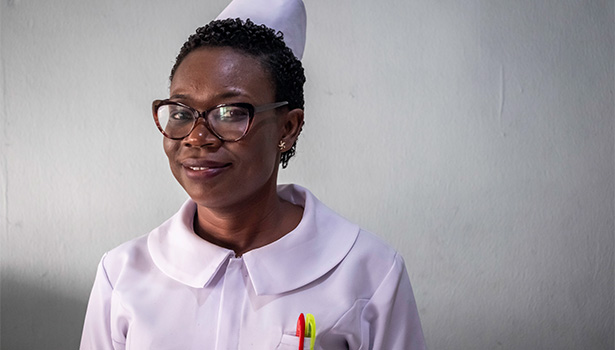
(320, 242)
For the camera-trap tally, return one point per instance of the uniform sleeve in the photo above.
(391, 318)
(96, 328)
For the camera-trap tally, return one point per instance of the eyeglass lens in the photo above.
(228, 122)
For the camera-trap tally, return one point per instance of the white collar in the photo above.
(320, 242)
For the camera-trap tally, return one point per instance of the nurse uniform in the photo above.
(171, 289)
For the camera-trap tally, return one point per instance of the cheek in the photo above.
(260, 145)
(256, 155)
(170, 147)
(265, 156)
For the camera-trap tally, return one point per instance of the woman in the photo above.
(243, 260)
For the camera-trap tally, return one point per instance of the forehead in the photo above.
(213, 70)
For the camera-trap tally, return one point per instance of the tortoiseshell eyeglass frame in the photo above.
(196, 115)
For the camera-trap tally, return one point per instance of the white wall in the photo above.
(474, 136)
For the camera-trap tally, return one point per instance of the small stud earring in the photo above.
(281, 145)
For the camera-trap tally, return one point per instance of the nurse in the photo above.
(244, 261)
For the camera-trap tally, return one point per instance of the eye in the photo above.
(231, 114)
(180, 115)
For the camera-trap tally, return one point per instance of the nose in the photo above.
(201, 136)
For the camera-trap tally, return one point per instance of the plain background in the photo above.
(474, 136)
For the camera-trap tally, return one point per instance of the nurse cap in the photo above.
(286, 16)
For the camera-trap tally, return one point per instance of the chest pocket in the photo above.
(291, 342)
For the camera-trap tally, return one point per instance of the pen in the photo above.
(310, 329)
(301, 330)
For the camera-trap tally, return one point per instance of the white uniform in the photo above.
(171, 289)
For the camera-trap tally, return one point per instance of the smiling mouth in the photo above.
(212, 169)
(198, 168)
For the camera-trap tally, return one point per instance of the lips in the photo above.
(198, 168)
(203, 168)
(202, 164)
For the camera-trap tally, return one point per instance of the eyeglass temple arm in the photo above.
(270, 106)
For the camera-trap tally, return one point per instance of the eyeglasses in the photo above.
(228, 122)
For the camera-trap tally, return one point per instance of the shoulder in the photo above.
(374, 257)
(132, 254)
(369, 243)
(134, 257)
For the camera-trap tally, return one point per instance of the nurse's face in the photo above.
(215, 173)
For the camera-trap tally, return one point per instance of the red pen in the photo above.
(301, 330)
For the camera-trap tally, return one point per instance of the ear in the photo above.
(292, 123)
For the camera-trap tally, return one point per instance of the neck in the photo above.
(253, 224)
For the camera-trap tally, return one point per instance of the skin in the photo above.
(237, 204)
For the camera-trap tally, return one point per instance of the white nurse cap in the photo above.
(287, 16)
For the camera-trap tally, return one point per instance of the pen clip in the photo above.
(310, 329)
(301, 330)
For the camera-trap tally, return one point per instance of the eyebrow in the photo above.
(226, 94)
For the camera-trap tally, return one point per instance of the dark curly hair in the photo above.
(264, 44)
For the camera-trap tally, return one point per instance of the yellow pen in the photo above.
(310, 329)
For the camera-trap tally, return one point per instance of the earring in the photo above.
(282, 145)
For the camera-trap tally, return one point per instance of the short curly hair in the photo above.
(263, 43)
